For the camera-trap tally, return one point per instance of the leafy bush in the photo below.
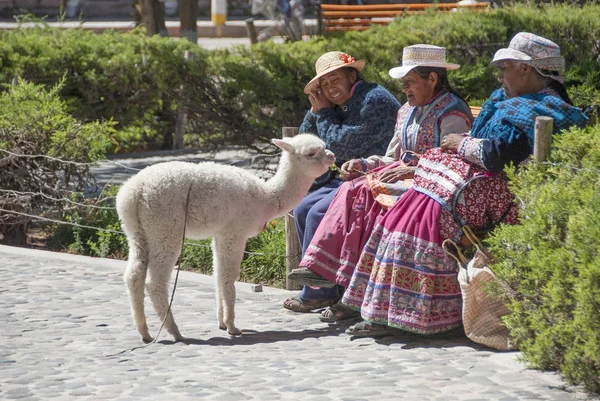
(244, 95)
(264, 260)
(93, 229)
(45, 156)
(552, 260)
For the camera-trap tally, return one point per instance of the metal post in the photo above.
(292, 244)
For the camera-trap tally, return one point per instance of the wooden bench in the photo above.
(341, 18)
(293, 251)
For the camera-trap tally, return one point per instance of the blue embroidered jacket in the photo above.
(508, 125)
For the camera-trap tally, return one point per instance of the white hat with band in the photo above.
(422, 56)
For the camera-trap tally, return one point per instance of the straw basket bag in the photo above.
(482, 312)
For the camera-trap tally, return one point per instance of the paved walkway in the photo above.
(63, 315)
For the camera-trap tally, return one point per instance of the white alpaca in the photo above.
(224, 202)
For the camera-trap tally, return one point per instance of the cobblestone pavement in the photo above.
(62, 316)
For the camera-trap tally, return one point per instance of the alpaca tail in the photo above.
(127, 209)
(137, 264)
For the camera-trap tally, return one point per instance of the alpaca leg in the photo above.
(227, 257)
(134, 277)
(160, 267)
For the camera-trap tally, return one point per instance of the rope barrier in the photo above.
(34, 217)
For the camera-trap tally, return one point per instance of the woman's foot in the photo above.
(370, 329)
(298, 304)
(338, 312)
(305, 276)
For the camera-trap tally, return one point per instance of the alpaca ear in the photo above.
(283, 145)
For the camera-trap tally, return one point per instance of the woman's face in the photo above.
(513, 77)
(419, 90)
(337, 85)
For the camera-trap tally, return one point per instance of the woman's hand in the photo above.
(397, 174)
(318, 100)
(451, 142)
(351, 169)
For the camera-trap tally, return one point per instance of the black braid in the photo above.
(560, 88)
(553, 83)
(443, 83)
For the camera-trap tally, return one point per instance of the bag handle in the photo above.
(473, 238)
(455, 253)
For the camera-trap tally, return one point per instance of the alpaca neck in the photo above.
(288, 186)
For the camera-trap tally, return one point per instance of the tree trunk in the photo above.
(153, 15)
(188, 11)
(138, 10)
(62, 8)
(14, 234)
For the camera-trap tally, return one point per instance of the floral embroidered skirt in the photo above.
(404, 278)
(347, 225)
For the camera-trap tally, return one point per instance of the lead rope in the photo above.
(187, 203)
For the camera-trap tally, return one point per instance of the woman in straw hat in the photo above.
(404, 279)
(355, 118)
(432, 111)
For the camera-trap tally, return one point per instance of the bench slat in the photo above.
(348, 22)
(337, 17)
(379, 7)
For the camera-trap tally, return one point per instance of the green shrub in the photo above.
(45, 156)
(93, 228)
(552, 261)
(244, 95)
(264, 260)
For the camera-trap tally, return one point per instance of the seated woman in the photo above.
(404, 279)
(432, 111)
(355, 118)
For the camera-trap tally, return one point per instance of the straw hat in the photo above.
(539, 52)
(422, 56)
(330, 62)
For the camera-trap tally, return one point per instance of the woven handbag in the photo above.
(482, 311)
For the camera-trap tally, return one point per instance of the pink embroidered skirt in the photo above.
(346, 227)
(404, 278)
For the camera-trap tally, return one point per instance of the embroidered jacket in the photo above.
(504, 130)
(420, 128)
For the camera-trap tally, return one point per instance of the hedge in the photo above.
(551, 261)
(244, 95)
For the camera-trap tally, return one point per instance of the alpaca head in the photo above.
(308, 152)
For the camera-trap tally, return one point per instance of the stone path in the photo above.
(62, 316)
(122, 166)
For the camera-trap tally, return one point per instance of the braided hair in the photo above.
(550, 82)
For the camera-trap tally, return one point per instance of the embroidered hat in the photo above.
(330, 62)
(422, 56)
(539, 52)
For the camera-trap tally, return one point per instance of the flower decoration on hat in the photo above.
(346, 58)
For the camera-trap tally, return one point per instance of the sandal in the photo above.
(298, 304)
(337, 313)
(305, 276)
(370, 329)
